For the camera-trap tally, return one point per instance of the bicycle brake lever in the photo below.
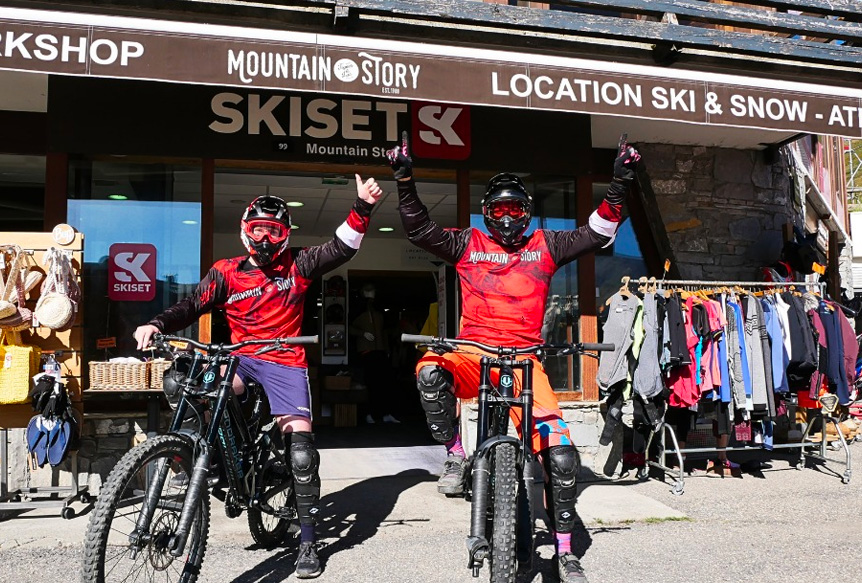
(441, 348)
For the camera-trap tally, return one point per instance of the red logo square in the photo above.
(132, 272)
(440, 130)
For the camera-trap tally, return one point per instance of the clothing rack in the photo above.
(665, 431)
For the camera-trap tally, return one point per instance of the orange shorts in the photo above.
(549, 427)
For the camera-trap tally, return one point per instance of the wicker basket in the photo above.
(157, 372)
(119, 376)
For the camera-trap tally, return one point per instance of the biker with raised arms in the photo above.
(263, 296)
(505, 280)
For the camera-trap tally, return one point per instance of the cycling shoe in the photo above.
(454, 475)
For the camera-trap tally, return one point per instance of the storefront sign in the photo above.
(321, 127)
(107, 46)
(131, 272)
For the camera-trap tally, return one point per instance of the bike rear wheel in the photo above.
(269, 529)
(504, 483)
(109, 554)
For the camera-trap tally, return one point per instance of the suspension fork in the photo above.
(198, 480)
(156, 478)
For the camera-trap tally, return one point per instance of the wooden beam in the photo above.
(728, 14)
(517, 20)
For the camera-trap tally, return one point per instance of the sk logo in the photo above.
(131, 272)
(440, 131)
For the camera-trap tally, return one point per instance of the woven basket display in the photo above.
(119, 376)
(157, 372)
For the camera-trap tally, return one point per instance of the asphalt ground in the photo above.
(386, 522)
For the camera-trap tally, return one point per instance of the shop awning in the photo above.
(66, 43)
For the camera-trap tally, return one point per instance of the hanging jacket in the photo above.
(684, 391)
(757, 370)
(835, 370)
(850, 348)
(778, 354)
(803, 356)
(816, 380)
(737, 361)
(619, 330)
(677, 338)
(767, 360)
(647, 378)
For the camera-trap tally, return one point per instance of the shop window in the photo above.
(127, 202)
(22, 192)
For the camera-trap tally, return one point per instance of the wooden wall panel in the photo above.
(68, 342)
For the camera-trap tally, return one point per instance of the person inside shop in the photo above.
(372, 346)
(262, 295)
(505, 278)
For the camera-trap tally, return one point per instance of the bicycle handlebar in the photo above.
(274, 343)
(579, 347)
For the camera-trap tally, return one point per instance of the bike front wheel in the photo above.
(113, 551)
(504, 484)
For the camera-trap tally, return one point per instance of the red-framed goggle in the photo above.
(262, 229)
(507, 208)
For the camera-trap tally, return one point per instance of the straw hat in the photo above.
(20, 320)
(6, 309)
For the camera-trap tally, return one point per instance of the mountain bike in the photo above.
(151, 519)
(501, 468)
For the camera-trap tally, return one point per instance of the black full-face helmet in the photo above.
(265, 228)
(507, 208)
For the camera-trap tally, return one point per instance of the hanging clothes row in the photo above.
(733, 351)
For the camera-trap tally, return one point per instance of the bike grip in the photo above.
(417, 338)
(598, 347)
(303, 340)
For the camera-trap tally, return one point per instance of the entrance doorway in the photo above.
(403, 299)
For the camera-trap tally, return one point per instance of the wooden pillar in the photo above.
(587, 292)
(207, 233)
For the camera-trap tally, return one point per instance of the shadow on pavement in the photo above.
(371, 501)
(349, 517)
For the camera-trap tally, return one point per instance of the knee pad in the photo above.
(438, 401)
(305, 463)
(561, 465)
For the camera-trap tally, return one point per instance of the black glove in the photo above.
(626, 163)
(399, 159)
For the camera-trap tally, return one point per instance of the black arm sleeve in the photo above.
(211, 292)
(448, 245)
(566, 246)
(313, 262)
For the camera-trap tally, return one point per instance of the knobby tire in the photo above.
(504, 480)
(115, 513)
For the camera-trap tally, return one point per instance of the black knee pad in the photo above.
(305, 463)
(438, 401)
(561, 465)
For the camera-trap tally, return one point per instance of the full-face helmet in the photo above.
(507, 208)
(265, 228)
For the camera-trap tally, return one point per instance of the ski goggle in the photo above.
(262, 229)
(506, 208)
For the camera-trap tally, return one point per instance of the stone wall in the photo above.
(722, 209)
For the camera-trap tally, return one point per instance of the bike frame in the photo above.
(227, 434)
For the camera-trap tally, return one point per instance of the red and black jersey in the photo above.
(268, 302)
(503, 290)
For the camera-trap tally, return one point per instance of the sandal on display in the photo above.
(37, 439)
(58, 443)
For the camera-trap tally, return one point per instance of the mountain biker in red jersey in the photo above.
(263, 296)
(505, 279)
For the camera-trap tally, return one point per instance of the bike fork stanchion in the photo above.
(155, 482)
(477, 544)
(197, 488)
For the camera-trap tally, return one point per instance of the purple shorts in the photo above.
(286, 386)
